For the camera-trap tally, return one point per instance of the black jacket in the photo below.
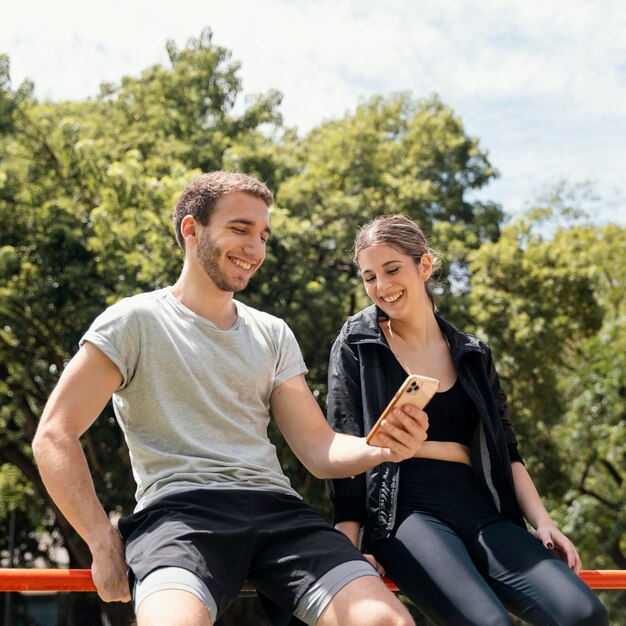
(364, 375)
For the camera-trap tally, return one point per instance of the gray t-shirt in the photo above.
(194, 399)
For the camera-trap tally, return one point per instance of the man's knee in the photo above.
(365, 602)
(390, 616)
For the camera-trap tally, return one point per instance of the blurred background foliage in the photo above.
(86, 193)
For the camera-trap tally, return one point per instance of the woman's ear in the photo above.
(427, 265)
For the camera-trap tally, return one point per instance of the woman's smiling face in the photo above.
(393, 280)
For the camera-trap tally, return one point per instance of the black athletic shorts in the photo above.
(276, 541)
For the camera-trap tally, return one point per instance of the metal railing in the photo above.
(80, 580)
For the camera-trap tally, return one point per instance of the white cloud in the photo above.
(541, 82)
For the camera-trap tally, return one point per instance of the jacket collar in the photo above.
(364, 327)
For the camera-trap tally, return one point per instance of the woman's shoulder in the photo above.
(362, 325)
(460, 337)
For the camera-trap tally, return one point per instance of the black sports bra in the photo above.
(452, 416)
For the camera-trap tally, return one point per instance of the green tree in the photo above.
(86, 193)
(391, 155)
(549, 296)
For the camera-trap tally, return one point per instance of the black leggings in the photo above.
(460, 576)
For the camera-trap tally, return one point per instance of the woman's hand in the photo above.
(352, 531)
(554, 540)
(375, 564)
(534, 511)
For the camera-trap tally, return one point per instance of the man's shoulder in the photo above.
(261, 318)
(141, 301)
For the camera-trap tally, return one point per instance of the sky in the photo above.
(540, 83)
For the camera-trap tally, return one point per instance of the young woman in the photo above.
(447, 526)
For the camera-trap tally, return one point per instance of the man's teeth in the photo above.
(390, 299)
(243, 265)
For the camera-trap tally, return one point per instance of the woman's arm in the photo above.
(344, 412)
(536, 514)
(352, 530)
(527, 496)
(502, 404)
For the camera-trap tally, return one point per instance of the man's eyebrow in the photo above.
(245, 222)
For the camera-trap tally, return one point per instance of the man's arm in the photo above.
(327, 454)
(85, 387)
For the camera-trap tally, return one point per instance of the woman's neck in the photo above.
(420, 347)
(419, 330)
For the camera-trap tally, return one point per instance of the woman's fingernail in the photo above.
(550, 546)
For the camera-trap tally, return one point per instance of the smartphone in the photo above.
(416, 390)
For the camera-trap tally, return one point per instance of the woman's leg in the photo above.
(531, 581)
(431, 566)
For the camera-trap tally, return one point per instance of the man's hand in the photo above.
(110, 572)
(402, 433)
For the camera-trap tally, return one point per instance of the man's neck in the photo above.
(200, 295)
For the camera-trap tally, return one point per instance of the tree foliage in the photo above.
(86, 193)
(554, 310)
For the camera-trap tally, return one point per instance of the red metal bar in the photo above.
(80, 580)
(46, 580)
(604, 578)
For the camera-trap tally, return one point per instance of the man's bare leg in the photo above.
(174, 608)
(365, 601)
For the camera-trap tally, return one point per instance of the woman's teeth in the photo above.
(392, 298)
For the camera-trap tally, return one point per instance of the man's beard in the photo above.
(209, 255)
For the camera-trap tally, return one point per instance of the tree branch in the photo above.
(612, 471)
(601, 499)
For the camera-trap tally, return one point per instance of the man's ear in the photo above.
(188, 228)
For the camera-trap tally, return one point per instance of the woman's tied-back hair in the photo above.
(401, 233)
(199, 197)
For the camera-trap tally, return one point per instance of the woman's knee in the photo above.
(584, 610)
(594, 615)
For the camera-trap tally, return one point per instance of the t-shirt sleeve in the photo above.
(290, 362)
(115, 332)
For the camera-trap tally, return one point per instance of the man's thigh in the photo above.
(174, 608)
(166, 584)
(301, 561)
(365, 601)
(202, 531)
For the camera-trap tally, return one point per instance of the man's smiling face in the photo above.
(231, 247)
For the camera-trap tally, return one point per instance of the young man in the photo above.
(193, 374)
